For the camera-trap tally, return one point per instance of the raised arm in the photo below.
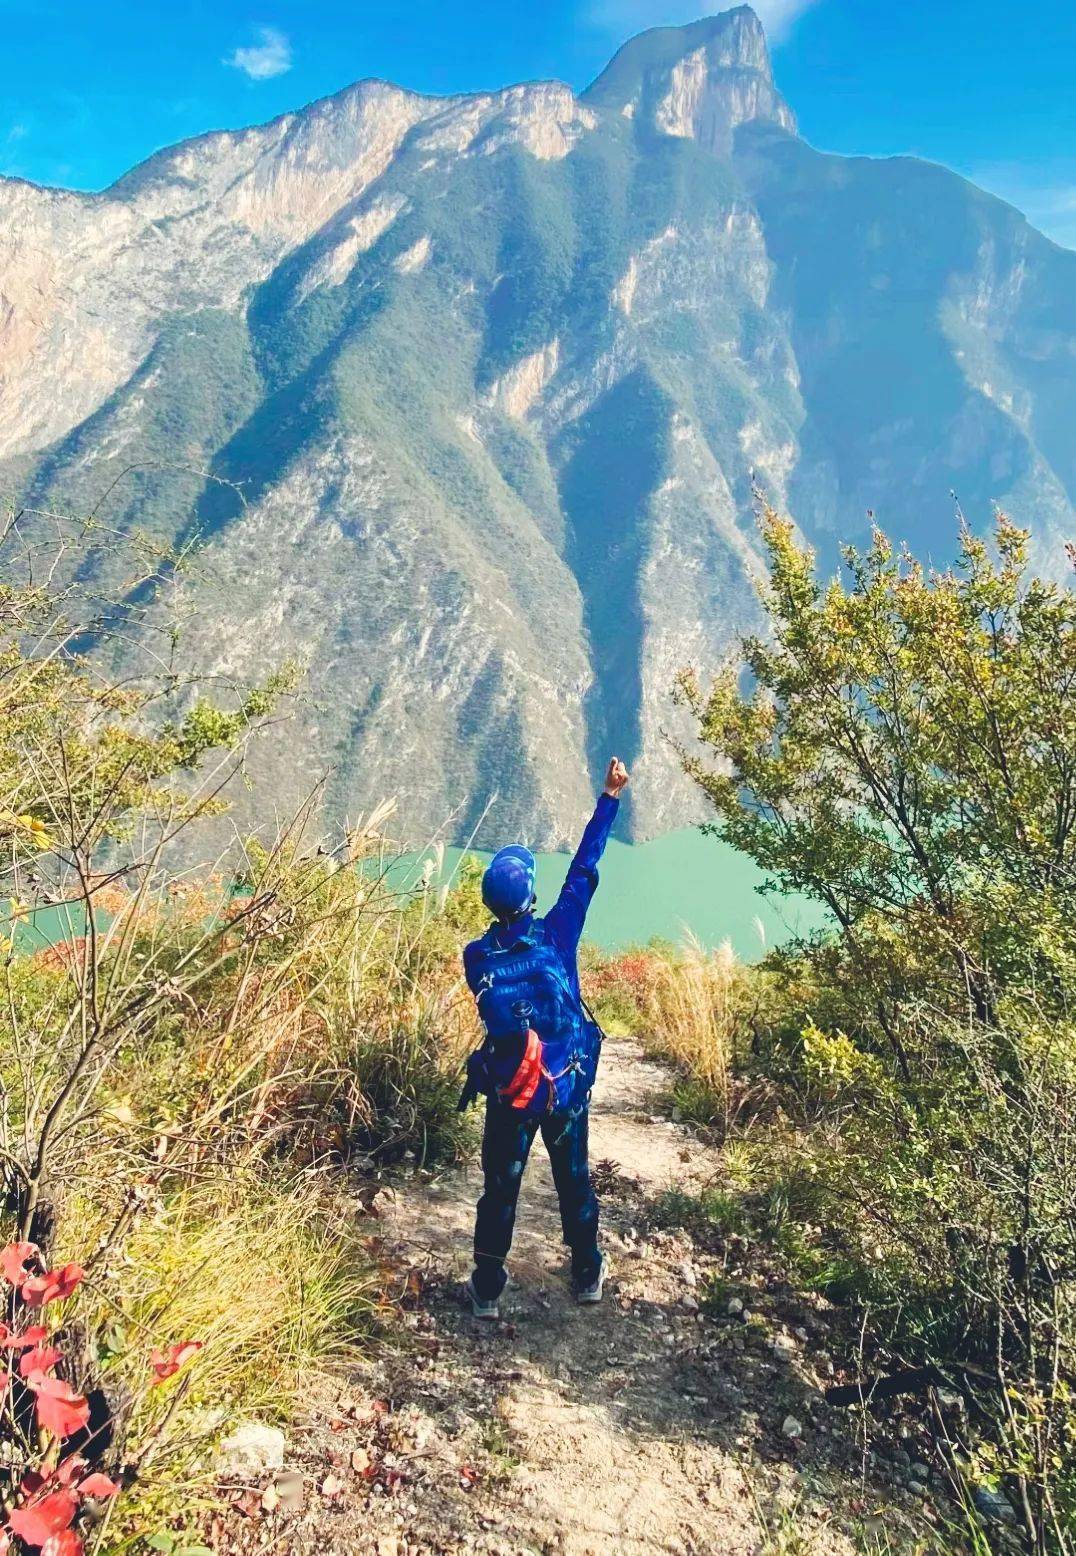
(566, 917)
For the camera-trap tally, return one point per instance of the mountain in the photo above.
(485, 381)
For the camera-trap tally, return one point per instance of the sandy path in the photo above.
(640, 1427)
(614, 1454)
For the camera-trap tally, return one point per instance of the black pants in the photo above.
(506, 1143)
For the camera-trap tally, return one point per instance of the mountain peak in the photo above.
(699, 81)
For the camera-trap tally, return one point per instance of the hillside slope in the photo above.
(493, 375)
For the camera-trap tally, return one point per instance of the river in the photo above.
(682, 883)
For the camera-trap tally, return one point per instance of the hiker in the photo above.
(538, 1062)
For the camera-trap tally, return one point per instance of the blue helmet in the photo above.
(508, 884)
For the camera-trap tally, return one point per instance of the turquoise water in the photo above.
(679, 884)
(684, 883)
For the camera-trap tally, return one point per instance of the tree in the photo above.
(906, 753)
(98, 775)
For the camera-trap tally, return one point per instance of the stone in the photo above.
(688, 1275)
(253, 1450)
(734, 1308)
(382, 1202)
(784, 1347)
(994, 1506)
(792, 1428)
(689, 1303)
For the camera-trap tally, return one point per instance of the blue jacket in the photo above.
(565, 919)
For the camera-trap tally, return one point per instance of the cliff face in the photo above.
(492, 375)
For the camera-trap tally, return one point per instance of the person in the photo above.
(538, 1062)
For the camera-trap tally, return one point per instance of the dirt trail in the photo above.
(642, 1426)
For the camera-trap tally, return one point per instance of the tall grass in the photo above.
(268, 1272)
(687, 1004)
(695, 1011)
(317, 1015)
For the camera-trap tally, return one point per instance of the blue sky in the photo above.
(91, 88)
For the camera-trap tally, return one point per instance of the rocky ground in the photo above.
(685, 1415)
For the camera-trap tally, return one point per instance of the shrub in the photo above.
(904, 754)
(178, 1068)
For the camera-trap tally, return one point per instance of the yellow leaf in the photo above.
(37, 830)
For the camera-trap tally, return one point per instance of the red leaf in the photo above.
(60, 1409)
(68, 1470)
(14, 1259)
(65, 1544)
(21, 1342)
(98, 1485)
(41, 1359)
(53, 1286)
(43, 1518)
(167, 1363)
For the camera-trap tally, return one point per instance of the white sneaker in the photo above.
(593, 1292)
(479, 1308)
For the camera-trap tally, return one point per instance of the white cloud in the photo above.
(17, 132)
(625, 17)
(270, 56)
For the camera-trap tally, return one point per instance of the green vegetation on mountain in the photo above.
(459, 388)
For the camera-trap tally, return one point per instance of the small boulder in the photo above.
(792, 1428)
(993, 1506)
(381, 1203)
(253, 1450)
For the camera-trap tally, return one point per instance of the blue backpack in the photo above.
(541, 1052)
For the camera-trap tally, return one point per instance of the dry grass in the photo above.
(268, 1271)
(694, 1006)
(318, 1013)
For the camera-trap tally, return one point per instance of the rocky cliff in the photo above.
(492, 376)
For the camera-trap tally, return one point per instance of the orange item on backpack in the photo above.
(528, 1076)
